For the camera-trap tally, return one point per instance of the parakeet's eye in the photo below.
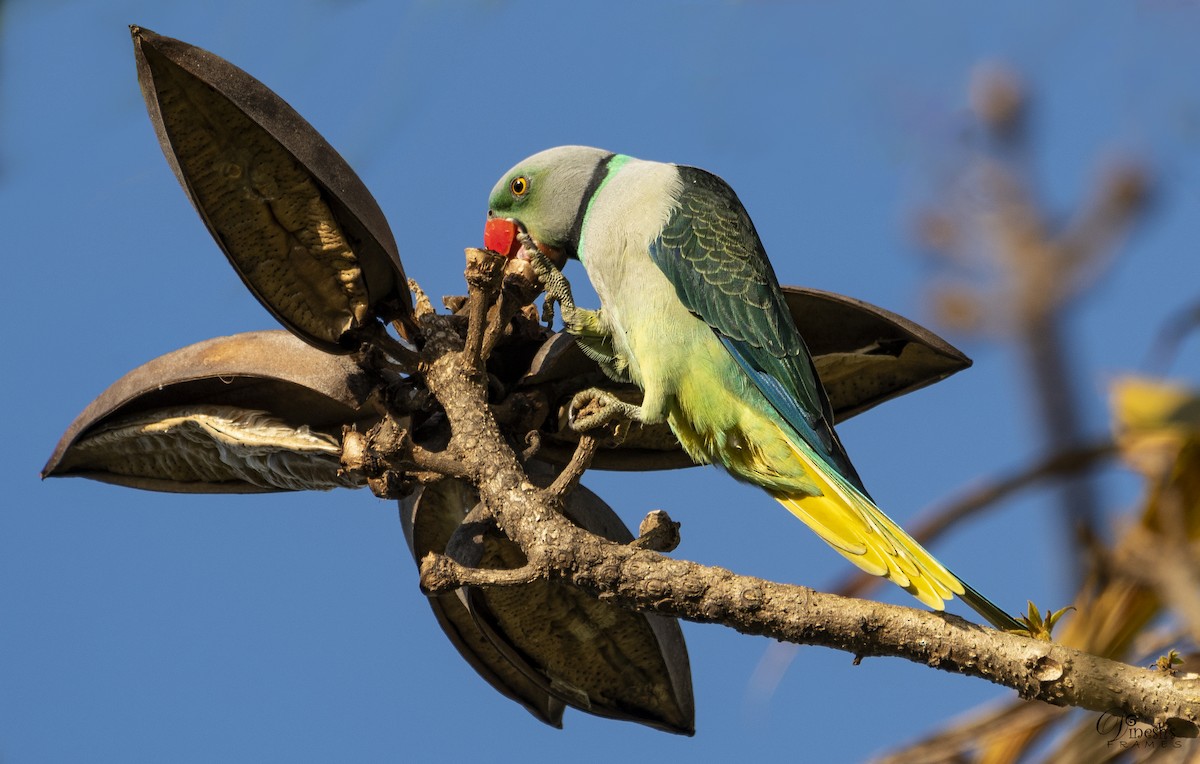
(519, 185)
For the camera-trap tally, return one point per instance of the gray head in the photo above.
(546, 194)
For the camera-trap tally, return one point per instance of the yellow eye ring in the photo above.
(519, 186)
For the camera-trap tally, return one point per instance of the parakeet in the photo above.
(691, 311)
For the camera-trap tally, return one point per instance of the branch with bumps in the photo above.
(634, 576)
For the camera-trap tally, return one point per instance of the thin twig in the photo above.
(440, 462)
(657, 532)
(396, 353)
(533, 444)
(477, 305)
(1170, 337)
(506, 308)
(485, 270)
(422, 307)
(436, 569)
(1055, 383)
(573, 472)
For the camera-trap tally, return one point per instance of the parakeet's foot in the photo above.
(594, 408)
(555, 283)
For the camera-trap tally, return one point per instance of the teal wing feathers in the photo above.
(711, 253)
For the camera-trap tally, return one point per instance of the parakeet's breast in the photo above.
(651, 328)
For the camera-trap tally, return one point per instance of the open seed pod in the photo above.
(248, 413)
(864, 356)
(296, 223)
(593, 655)
(430, 515)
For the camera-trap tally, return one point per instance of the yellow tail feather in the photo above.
(856, 528)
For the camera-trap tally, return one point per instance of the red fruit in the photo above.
(500, 235)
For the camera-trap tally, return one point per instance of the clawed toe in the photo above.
(595, 408)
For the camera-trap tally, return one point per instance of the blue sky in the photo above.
(151, 627)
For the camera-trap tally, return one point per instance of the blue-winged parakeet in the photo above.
(691, 311)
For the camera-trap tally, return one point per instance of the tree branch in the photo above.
(644, 580)
(573, 472)
(648, 581)
(485, 270)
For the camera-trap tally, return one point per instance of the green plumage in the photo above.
(711, 253)
(692, 312)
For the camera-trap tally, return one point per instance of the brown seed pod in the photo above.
(296, 223)
(864, 355)
(249, 413)
(593, 655)
(430, 515)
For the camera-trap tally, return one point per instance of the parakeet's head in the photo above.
(544, 195)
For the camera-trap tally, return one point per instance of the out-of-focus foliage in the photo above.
(1013, 272)
(1139, 602)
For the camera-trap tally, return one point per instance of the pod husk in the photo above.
(220, 416)
(545, 644)
(296, 223)
(430, 515)
(591, 654)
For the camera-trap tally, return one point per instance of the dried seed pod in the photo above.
(593, 655)
(430, 516)
(296, 223)
(864, 356)
(253, 412)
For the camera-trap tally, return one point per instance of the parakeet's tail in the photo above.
(852, 524)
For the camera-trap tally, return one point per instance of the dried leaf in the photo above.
(1153, 421)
